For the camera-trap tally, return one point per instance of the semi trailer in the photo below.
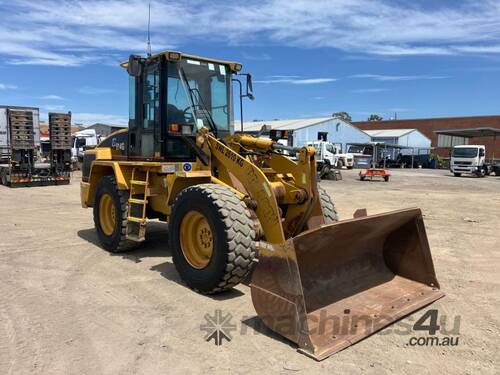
(19, 145)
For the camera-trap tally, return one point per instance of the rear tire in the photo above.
(112, 238)
(3, 178)
(232, 238)
(325, 172)
(328, 207)
(386, 178)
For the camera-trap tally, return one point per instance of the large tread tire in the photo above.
(328, 207)
(235, 241)
(117, 242)
(3, 177)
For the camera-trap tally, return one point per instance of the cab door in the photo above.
(144, 124)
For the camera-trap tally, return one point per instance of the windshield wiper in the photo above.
(200, 102)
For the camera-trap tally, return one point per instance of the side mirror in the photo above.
(250, 87)
(134, 67)
(481, 152)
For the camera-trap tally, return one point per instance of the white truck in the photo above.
(470, 159)
(329, 155)
(81, 140)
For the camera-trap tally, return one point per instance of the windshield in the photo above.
(356, 149)
(464, 152)
(195, 88)
(360, 150)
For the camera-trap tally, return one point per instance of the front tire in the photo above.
(457, 174)
(212, 238)
(110, 216)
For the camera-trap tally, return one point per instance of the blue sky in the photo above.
(308, 58)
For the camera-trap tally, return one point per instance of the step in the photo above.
(138, 182)
(135, 238)
(136, 220)
(138, 201)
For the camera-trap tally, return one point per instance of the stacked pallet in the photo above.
(21, 130)
(60, 130)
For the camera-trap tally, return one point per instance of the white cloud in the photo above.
(298, 81)
(86, 118)
(284, 77)
(52, 97)
(368, 91)
(380, 77)
(5, 86)
(98, 31)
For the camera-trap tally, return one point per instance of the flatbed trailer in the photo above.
(19, 137)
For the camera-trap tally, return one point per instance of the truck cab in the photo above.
(81, 140)
(362, 155)
(468, 159)
(331, 155)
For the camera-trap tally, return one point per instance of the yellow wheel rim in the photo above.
(107, 214)
(197, 242)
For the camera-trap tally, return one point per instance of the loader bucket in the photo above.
(332, 286)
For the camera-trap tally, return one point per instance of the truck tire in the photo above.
(110, 216)
(325, 172)
(457, 174)
(328, 207)
(3, 177)
(212, 238)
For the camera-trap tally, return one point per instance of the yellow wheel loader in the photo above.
(237, 204)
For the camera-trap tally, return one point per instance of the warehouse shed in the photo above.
(402, 137)
(305, 130)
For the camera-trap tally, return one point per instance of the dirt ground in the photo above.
(69, 307)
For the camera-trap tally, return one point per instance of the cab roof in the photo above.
(233, 65)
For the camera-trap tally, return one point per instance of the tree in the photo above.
(375, 117)
(342, 115)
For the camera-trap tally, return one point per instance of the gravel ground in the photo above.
(69, 307)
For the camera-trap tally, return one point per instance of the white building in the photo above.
(402, 137)
(305, 130)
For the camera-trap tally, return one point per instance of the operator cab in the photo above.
(172, 96)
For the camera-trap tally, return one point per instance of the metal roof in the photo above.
(293, 124)
(388, 133)
(387, 145)
(470, 132)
